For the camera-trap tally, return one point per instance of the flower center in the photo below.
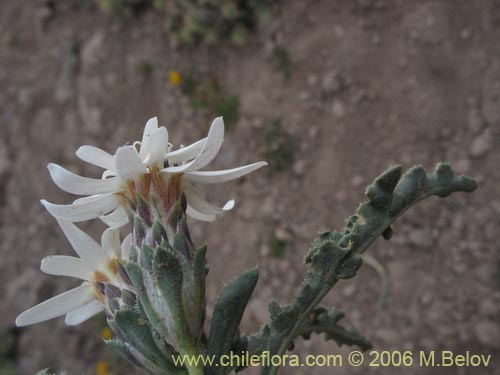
(159, 189)
(108, 277)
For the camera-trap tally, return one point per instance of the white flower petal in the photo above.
(91, 253)
(83, 211)
(158, 145)
(96, 156)
(213, 177)
(90, 198)
(110, 242)
(62, 265)
(186, 153)
(200, 204)
(125, 248)
(198, 215)
(109, 173)
(208, 152)
(83, 313)
(151, 126)
(57, 306)
(75, 184)
(116, 219)
(128, 164)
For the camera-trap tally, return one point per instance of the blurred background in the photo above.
(330, 92)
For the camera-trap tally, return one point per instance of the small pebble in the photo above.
(481, 145)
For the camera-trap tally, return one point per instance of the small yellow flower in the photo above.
(107, 333)
(102, 368)
(174, 77)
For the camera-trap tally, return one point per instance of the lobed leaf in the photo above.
(337, 255)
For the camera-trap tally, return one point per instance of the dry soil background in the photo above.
(374, 82)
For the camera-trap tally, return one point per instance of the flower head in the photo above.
(175, 78)
(99, 268)
(134, 167)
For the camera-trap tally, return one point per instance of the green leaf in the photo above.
(159, 233)
(198, 303)
(139, 228)
(323, 321)
(168, 271)
(168, 277)
(411, 184)
(380, 190)
(135, 330)
(146, 256)
(227, 316)
(337, 255)
(177, 212)
(136, 276)
(181, 245)
(131, 354)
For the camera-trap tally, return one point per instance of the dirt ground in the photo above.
(373, 83)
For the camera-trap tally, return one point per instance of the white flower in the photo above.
(96, 265)
(130, 163)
